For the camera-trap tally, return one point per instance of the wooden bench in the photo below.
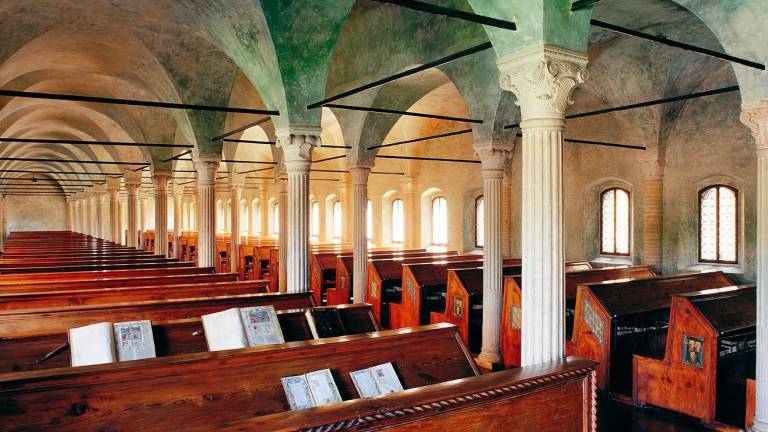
(206, 391)
(117, 282)
(95, 267)
(101, 274)
(709, 355)
(91, 296)
(617, 319)
(171, 337)
(31, 322)
(425, 290)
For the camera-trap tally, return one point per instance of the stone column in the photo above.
(543, 79)
(756, 117)
(70, 214)
(297, 145)
(206, 166)
(235, 193)
(2, 223)
(99, 219)
(132, 187)
(653, 212)
(360, 173)
(506, 215)
(160, 181)
(411, 223)
(88, 214)
(346, 210)
(282, 242)
(492, 159)
(113, 188)
(178, 218)
(264, 213)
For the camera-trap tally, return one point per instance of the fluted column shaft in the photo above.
(70, 215)
(88, 214)
(206, 209)
(360, 174)
(264, 213)
(411, 224)
(99, 198)
(543, 79)
(178, 220)
(132, 213)
(2, 223)
(282, 242)
(235, 193)
(653, 213)
(756, 117)
(114, 214)
(492, 159)
(506, 216)
(160, 181)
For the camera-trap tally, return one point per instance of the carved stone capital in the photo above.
(297, 143)
(160, 181)
(236, 190)
(493, 157)
(207, 167)
(756, 118)
(543, 79)
(360, 173)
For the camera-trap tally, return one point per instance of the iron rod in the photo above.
(241, 128)
(582, 4)
(70, 161)
(453, 13)
(84, 142)
(434, 159)
(177, 156)
(426, 138)
(403, 113)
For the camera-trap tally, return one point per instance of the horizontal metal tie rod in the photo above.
(133, 102)
(59, 172)
(42, 180)
(249, 141)
(241, 128)
(36, 193)
(645, 104)
(582, 4)
(600, 143)
(403, 113)
(453, 13)
(256, 170)
(83, 142)
(664, 41)
(178, 156)
(329, 158)
(346, 171)
(70, 161)
(447, 59)
(426, 138)
(433, 159)
(53, 185)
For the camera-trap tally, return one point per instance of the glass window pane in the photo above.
(727, 224)
(439, 222)
(622, 222)
(337, 220)
(315, 227)
(397, 221)
(608, 222)
(276, 220)
(708, 224)
(480, 222)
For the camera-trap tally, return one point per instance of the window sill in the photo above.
(611, 259)
(725, 268)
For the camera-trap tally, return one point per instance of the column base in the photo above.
(758, 426)
(490, 363)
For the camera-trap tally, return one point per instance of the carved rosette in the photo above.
(297, 144)
(756, 118)
(543, 79)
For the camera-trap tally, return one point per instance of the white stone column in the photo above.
(206, 210)
(297, 145)
(543, 79)
(132, 187)
(282, 242)
(492, 159)
(346, 209)
(360, 173)
(411, 223)
(113, 188)
(2, 223)
(99, 198)
(160, 181)
(653, 212)
(235, 193)
(264, 213)
(756, 117)
(506, 218)
(178, 219)
(88, 214)
(70, 214)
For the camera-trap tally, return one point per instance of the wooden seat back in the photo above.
(13, 279)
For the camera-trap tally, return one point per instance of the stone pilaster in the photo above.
(493, 159)
(99, 219)
(360, 173)
(113, 189)
(235, 193)
(506, 213)
(756, 117)
(88, 213)
(543, 79)
(264, 213)
(160, 180)
(206, 210)
(653, 212)
(297, 145)
(411, 239)
(282, 242)
(143, 218)
(132, 187)
(178, 218)
(70, 214)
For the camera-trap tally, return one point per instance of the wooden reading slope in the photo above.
(99, 274)
(617, 319)
(202, 277)
(709, 355)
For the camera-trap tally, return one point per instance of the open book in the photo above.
(242, 327)
(311, 389)
(106, 342)
(325, 322)
(376, 380)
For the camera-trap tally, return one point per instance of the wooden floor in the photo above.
(614, 416)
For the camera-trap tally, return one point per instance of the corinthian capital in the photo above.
(297, 142)
(493, 156)
(755, 116)
(543, 79)
(206, 167)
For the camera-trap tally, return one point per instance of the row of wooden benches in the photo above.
(193, 389)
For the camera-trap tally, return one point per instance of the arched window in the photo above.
(337, 220)
(479, 222)
(276, 219)
(614, 222)
(185, 220)
(193, 216)
(219, 216)
(397, 221)
(439, 222)
(718, 224)
(256, 217)
(244, 217)
(369, 221)
(314, 231)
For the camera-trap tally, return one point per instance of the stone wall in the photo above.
(35, 213)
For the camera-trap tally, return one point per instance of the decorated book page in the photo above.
(261, 325)
(134, 341)
(91, 344)
(224, 330)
